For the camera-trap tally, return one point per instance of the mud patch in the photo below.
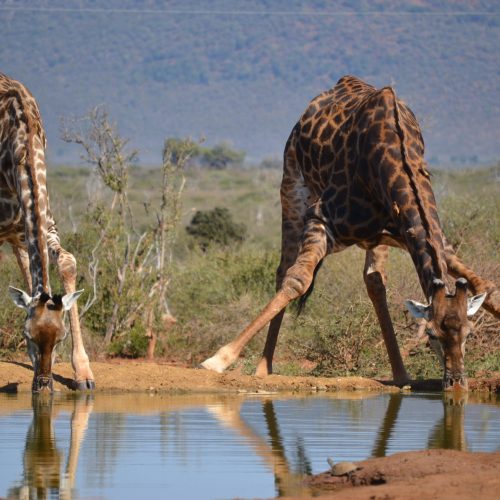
(443, 474)
(133, 375)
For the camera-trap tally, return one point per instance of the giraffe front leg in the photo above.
(296, 282)
(375, 280)
(290, 248)
(84, 378)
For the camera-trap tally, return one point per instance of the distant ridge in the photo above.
(243, 71)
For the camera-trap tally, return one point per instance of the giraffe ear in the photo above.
(20, 298)
(418, 310)
(474, 303)
(69, 299)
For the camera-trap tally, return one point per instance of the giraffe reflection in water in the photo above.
(43, 459)
(288, 482)
(448, 433)
(45, 474)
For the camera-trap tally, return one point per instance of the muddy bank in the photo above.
(440, 474)
(126, 375)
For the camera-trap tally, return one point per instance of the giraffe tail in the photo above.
(301, 301)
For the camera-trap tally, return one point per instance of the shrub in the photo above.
(215, 227)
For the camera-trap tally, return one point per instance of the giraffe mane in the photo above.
(33, 127)
(435, 257)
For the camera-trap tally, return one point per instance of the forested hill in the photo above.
(243, 71)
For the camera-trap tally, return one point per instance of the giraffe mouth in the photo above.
(42, 383)
(455, 381)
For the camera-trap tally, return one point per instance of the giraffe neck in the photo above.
(427, 256)
(28, 157)
(419, 220)
(420, 228)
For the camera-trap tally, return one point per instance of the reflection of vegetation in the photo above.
(107, 434)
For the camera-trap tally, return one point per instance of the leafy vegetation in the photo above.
(128, 270)
(213, 294)
(215, 227)
(219, 156)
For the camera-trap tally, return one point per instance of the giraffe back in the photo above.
(360, 150)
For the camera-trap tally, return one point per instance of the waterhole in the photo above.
(218, 447)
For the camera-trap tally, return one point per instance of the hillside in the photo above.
(243, 71)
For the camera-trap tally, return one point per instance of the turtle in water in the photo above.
(342, 468)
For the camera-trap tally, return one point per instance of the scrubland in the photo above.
(214, 293)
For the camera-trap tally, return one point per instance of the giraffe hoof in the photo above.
(84, 385)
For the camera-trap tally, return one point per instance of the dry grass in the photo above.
(215, 294)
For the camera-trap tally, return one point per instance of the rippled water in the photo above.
(217, 447)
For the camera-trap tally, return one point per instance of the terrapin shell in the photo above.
(342, 468)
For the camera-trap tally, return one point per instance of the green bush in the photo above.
(132, 345)
(215, 227)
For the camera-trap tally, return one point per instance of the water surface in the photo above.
(217, 447)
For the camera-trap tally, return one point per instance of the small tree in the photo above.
(129, 271)
(221, 156)
(215, 226)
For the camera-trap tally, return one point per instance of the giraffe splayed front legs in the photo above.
(27, 224)
(355, 158)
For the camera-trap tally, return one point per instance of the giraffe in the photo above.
(354, 174)
(27, 224)
(43, 472)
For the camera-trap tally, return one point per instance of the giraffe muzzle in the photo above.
(43, 384)
(455, 381)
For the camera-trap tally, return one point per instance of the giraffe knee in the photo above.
(67, 265)
(296, 282)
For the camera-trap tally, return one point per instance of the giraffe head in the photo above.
(448, 327)
(44, 329)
